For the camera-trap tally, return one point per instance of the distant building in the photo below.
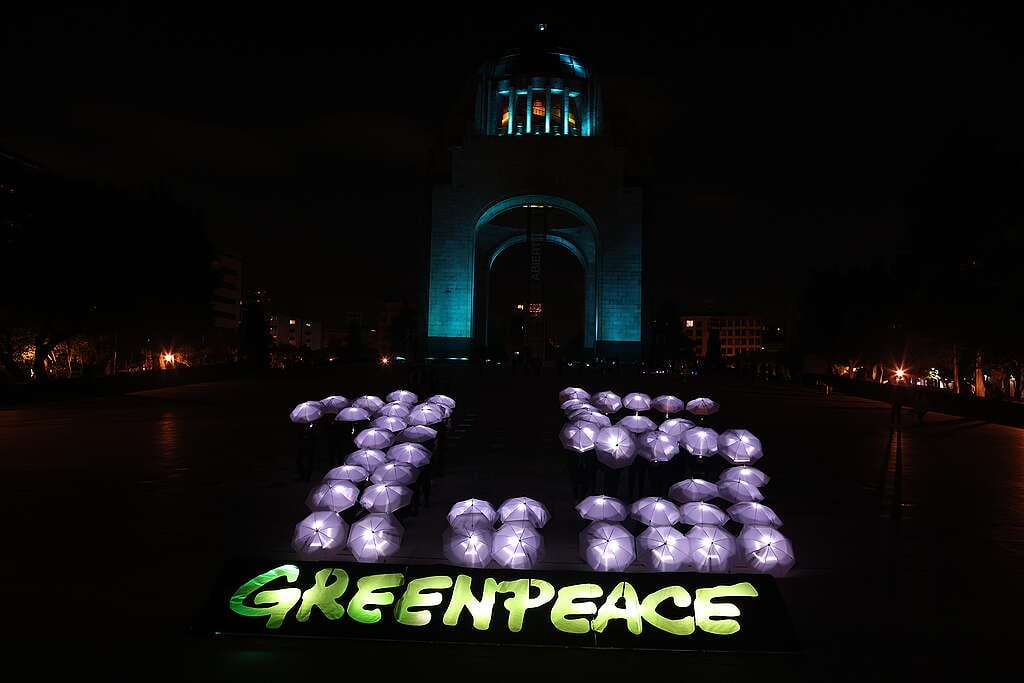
(226, 300)
(298, 332)
(735, 334)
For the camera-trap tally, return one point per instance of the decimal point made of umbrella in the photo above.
(663, 548)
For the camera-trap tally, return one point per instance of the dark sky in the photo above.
(774, 139)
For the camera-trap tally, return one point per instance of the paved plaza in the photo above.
(119, 512)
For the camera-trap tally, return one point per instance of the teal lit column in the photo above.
(450, 298)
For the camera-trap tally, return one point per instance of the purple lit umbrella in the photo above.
(668, 404)
(607, 401)
(571, 405)
(394, 409)
(638, 424)
(602, 508)
(654, 511)
(752, 512)
(636, 401)
(367, 458)
(415, 454)
(578, 437)
(663, 548)
(394, 473)
(472, 521)
(712, 548)
(418, 434)
(766, 550)
(702, 406)
(374, 437)
(700, 441)
(332, 404)
(675, 427)
(336, 495)
(739, 446)
(607, 546)
(746, 473)
(524, 509)
(403, 396)
(661, 447)
(594, 417)
(693, 489)
(699, 512)
(391, 423)
(446, 401)
(573, 392)
(306, 412)
(615, 446)
(320, 534)
(385, 497)
(375, 537)
(371, 404)
(736, 491)
(475, 505)
(467, 547)
(517, 545)
(356, 473)
(353, 415)
(425, 414)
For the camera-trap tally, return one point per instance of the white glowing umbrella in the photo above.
(336, 495)
(573, 392)
(306, 412)
(471, 521)
(517, 545)
(374, 437)
(425, 414)
(663, 548)
(602, 508)
(675, 426)
(594, 417)
(668, 404)
(615, 446)
(477, 505)
(391, 423)
(356, 473)
(636, 401)
(467, 547)
(415, 454)
(524, 509)
(739, 446)
(702, 406)
(607, 546)
(375, 537)
(654, 511)
(418, 434)
(320, 533)
(693, 489)
(395, 473)
(367, 458)
(766, 550)
(712, 548)
(402, 396)
(607, 401)
(385, 497)
(446, 401)
(368, 402)
(352, 414)
(747, 473)
(578, 437)
(332, 404)
(394, 409)
(572, 404)
(638, 424)
(735, 491)
(700, 441)
(700, 512)
(752, 512)
(660, 447)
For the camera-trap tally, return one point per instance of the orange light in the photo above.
(384, 360)
(168, 357)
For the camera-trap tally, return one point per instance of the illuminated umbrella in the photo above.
(766, 550)
(636, 401)
(476, 505)
(660, 446)
(607, 546)
(700, 512)
(739, 446)
(352, 414)
(736, 491)
(415, 454)
(578, 437)
(638, 424)
(306, 412)
(320, 533)
(752, 512)
(517, 545)
(418, 434)
(472, 521)
(693, 489)
(394, 473)
(663, 548)
(573, 392)
(572, 404)
(392, 423)
(702, 406)
(654, 511)
(601, 508)
(594, 417)
(374, 437)
(336, 495)
(746, 473)
(332, 404)
(425, 414)
(375, 537)
(675, 426)
(700, 441)
(615, 446)
(385, 497)
(394, 409)
(367, 458)
(371, 404)
(467, 547)
(607, 401)
(712, 548)
(356, 473)
(668, 404)
(524, 509)
(402, 396)
(446, 401)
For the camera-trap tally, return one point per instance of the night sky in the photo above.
(773, 141)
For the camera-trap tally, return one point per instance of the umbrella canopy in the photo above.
(392, 423)
(367, 458)
(332, 404)
(572, 404)
(306, 412)
(675, 426)
(712, 548)
(615, 446)
(356, 473)
(467, 547)
(746, 473)
(524, 509)
(385, 497)
(472, 520)
(668, 404)
(394, 473)
(766, 550)
(693, 489)
(636, 401)
(736, 491)
(402, 396)
(394, 409)
(700, 441)
(374, 437)
(607, 546)
(418, 434)
(336, 495)
(654, 511)
(375, 537)
(660, 447)
(601, 508)
(425, 414)
(607, 401)
(638, 424)
(446, 401)
(752, 512)
(578, 437)
(594, 417)
(477, 505)
(517, 545)
(573, 392)
(320, 533)
(415, 454)
(663, 548)
(352, 414)
(699, 512)
(739, 446)
(702, 406)
(369, 403)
